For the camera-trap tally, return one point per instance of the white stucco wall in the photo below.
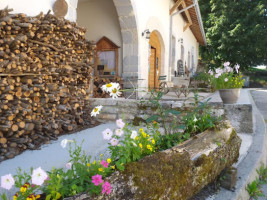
(100, 18)
(154, 15)
(34, 7)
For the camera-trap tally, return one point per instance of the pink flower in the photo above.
(68, 165)
(226, 64)
(38, 176)
(106, 188)
(119, 132)
(217, 75)
(114, 142)
(107, 134)
(7, 181)
(120, 123)
(97, 179)
(210, 72)
(104, 163)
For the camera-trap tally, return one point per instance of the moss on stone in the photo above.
(172, 174)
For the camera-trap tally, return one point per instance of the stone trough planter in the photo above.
(176, 173)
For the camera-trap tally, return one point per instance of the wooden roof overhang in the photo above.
(192, 18)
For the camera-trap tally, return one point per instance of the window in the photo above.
(107, 58)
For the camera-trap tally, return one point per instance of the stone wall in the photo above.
(240, 115)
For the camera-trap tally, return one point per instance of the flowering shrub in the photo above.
(199, 119)
(226, 77)
(128, 145)
(80, 175)
(27, 184)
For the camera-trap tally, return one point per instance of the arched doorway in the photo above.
(155, 60)
(109, 18)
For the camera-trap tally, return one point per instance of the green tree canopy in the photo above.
(236, 31)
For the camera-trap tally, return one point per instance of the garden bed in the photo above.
(179, 172)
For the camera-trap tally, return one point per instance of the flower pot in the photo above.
(229, 96)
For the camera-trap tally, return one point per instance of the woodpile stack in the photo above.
(45, 73)
(99, 81)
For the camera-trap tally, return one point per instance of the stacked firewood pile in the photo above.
(45, 73)
(98, 82)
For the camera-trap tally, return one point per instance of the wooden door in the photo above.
(155, 61)
(152, 69)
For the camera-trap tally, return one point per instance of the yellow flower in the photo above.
(121, 164)
(109, 160)
(144, 134)
(23, 189)
(15, 197)
(38, 196)
(149, 147)
(100, 169)
(101, 155)
(140, 145)
(141, 130)
(153, 141)
(88, 164)
(94, 162)
(136, 138)
(113, 167)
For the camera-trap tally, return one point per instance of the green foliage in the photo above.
(64, 183)
(3, 197)
(199, 119)
(131, 147)
(254, 190)
(162, 114)
(235, 31)
(224, 79)
(254, 187)
(22, 181)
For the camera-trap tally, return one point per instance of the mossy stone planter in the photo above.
(229, 96)
(176, 173)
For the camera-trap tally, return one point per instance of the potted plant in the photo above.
(228, 80)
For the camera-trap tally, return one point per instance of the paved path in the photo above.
(260, 98)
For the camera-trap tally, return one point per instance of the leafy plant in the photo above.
(199, 119)
(254, 190)
(131, 147)
(162, 115)
(226, 78)
(78, 177)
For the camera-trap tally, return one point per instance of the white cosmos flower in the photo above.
(119, 132)
(96, 111)
(134, 135)
(114, 142)
(210, 72)
(65, 142)
(217, 75)
(237, 66)
(68, 165)
(39, 176)
(226, 64)
(107, 134)
(120, 123)
(226, 79)
(195, 119)
(7, 181)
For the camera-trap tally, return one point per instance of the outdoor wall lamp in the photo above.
(181, 40)
(146, 33)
